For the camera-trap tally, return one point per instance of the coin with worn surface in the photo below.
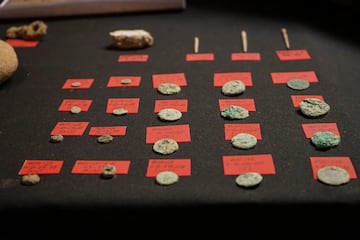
(56, 138)
(234, 112)
(108, 171)
(167, 178)
(325, 140)
(30, 179)
(234, 87)
(120, 111)
(105, 138)
(166, 146)
(169, 88)
(298, 84)
(125, 81)
(75, 84)
(169, 114)
(249, 179)
(333, 175)
(244, 141)
(75, 109)
(313, 107)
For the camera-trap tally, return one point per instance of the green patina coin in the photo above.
(313, 107)
(325, 140)
(333, 175)
(244, 141)
(234, 112)
(298, 84)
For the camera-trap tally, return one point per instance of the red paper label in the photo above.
(182, 167)
(85, 83)
(221, 78)
(41, 167)
(284, 77)
(311, 128)
(193, 57)
(179, 133)
(291, 55)
(245, 57)
(19, 43)
(343, 162)
(96, 166)
(261, 163)
(178, 104)
(130, 104)
(70, 128)
(176, 78)
(133, 58)
(116, 81)
(67, 104)
(297, 99)
(248, 103)
(233, 129)
(110, 130)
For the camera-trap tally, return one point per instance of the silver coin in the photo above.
(169, 114)
(119, 111)
(298, 84)
(169, 88)
(166, 178)
(234, 87)
(75, 84)
(313, 107)
(105, 138)
(234, 112)
(166, 146)
(75, 109)
(325, 140)
(333, 175)
(249, 179)
(30, 179)
(125, 81)
(244, 141)
(56, 138)
(108, 171)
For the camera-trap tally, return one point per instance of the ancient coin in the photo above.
(131, 38)
(298, 84)
(169, 114)
(165, 146)
(75, 109)
(56, 138)
(120, 111)
(169, 88)
(105, 138)
(30, 179)
(249, 179)
(333, 175)
(325, 140)
(313, 107)
(125, 81)
(8, 61)
(234, 87)
(166, 178)
(234, 112)
(76, 84)
(108, 171)
(244, 141)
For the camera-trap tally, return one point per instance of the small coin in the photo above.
(56, 138)
(325, 140)
(108, 171)
(298, 84)
(249, 179)
(105, 138)
(30, 179)
(313, 107)
(75, 109)
(244, 141)
(234, 112)
(169, 114)
(125, 81)
(75, 84)
(234, 87)
(169, 88)
(166, 146)
(166, 178)
(333, 175)
(120, 111)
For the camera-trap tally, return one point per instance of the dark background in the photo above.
(79, 47)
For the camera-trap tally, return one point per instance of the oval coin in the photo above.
(234, 112)
(333, 175)
(169, 88)
(298, 84)
(313, 107)
(244, 141)
(169, 114)
(166, 178)
(166, 146)
(234, 87)
(249, 179)
(325, 140)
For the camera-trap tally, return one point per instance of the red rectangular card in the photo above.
(182, 167)
(219, 79)
(19, 43)
(124, 81)
(311, 128)
(297, 99)
(237, 164)
(130, 104)
(82, 83)
(176, 78)
(180, 133)
(41, 167)
(247, 103)
(195, 57)
(236, 128)
(133, 58)
(292, 55)
(245, 56)
(96, 166)
(284, 77)
(339, 161)
(178, 104)
(69, 128)
(67, 104)
(108, 130)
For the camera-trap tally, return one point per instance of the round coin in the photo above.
(105, 138)
(56, 138)
(244, 141)
(119, 111)
(30, 179)
(313, 107)
(166, 178)
(169, 114)
(75, 109)
(325, 140)
(75, 84)
(234, 112)
(108, 171)
(125, 81)
(249, 179)
(166, 146)
(333, 175)
(298, 84)
(234, 87)
(169, 88)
